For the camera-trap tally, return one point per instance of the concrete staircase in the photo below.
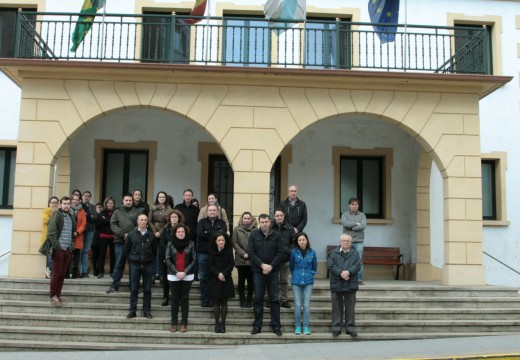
(94, 320)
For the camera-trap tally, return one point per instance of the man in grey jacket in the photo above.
(122, 222)
(344, 264)
(354, 223)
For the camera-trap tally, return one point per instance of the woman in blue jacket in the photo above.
(303, 265)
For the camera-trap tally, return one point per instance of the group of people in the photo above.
(180, 243)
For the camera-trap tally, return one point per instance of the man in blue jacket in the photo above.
(344, 264)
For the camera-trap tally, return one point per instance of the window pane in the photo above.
(488, 190)
(114, 175)
(246, 42)
(10, 198)
(348, 184)
(371, 186)
(138, 172)
(2, 174)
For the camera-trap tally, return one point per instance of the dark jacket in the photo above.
(205, 229)
(191, 214)
(297, 215)
(190, 258)
(139, 248)
(142, 207)
(167, 235)
(56, 227)
(288, 236)
(123, 221)
(339, 261)
(91, 215)
(264, 249)
(103, 224)
(221, 262)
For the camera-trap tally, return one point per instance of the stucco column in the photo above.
(424, 269)
(31, 192)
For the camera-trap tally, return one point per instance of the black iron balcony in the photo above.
(254, 41)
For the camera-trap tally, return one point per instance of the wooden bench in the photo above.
(373, 255)
(383, 256)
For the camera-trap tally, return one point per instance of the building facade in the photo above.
(426, 151)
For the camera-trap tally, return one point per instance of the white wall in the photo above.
(177, 166)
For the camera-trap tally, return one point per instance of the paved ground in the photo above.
(502, 347)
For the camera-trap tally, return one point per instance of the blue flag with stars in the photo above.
(384, 12)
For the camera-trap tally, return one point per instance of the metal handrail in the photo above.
(502, 263)
(5, 253)
(247, 41)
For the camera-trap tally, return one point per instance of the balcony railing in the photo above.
(253, 41)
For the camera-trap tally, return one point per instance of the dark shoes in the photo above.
(278, 331)
(165, 302)
(242, 303)
(352, 333)
(336, 333)
(100, 276)
(217, 328)
(256, 331)
(361, 282)
(131, 315)
(222, 328)
(285, 304)
(249, 304)
(148, 315)
(111, 290)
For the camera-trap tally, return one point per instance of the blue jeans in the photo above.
(87, 243)
(120, 262)
(358, 246)
(203, 275)
(302, 297)
(270, 282)
(138, 271)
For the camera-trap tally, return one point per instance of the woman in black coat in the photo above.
(220, 289)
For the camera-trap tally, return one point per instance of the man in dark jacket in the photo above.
(205, 229)
(287, 235)
(295, 210)
(190, 212)
(344, 264)
(266, 250)
(61, 235)
(123, 221)
(140, 250)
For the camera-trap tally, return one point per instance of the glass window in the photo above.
(7, 167)
(247, 41)
(124, 171)
(165, 38)
(489, 203)
(362, 177)
(472, 50)
(327, 44)
(7, 32)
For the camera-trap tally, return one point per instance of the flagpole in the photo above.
(103, 31)
(405, 35)
(207, 31)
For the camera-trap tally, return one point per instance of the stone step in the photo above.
(318, 312)
(321, 287)
(183, 344)
(195, 336)
(363, 300)
(243, 323)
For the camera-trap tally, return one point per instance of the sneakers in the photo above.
(306, 331)
(297, 330)
(47, 273)
(55, 301)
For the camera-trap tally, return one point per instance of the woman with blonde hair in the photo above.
(53, 206)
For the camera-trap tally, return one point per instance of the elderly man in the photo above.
(354, 223)
(344, 264)
(266, 250)
(295, 210)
